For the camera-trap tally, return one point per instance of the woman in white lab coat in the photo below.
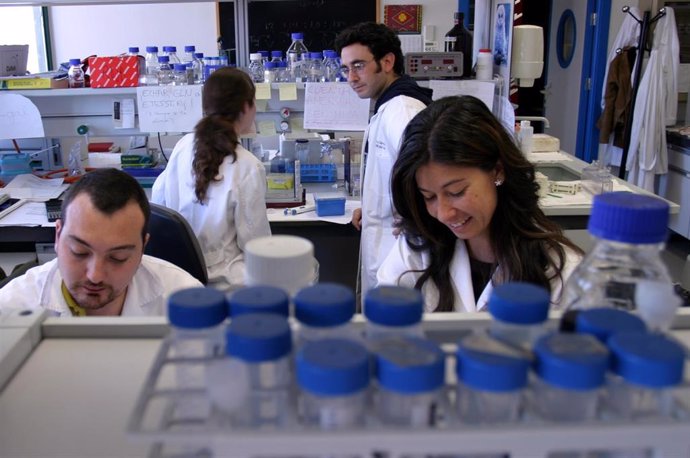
(470, 218)
(215, 183)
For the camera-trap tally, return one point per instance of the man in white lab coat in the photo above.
(100, 267)
(372, 61)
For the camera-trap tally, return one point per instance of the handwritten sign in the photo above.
(334, 106)
(169, 108)
(483, 90)
(19, 118)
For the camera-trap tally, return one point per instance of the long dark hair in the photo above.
(225, 95)
(461, 131)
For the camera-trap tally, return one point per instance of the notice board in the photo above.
(272, 22)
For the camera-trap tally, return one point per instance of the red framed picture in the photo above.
(403, 18)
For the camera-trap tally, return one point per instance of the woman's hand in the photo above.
(357, 219)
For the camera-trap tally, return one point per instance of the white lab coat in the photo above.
(628, 35)
(147, 294)
(656, 106)
(234, 214)
(402, 262)
(383, 137)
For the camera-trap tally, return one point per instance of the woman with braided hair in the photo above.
(215, 183)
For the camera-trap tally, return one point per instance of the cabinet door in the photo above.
(677, 190)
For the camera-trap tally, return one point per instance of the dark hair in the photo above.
(461, 131)
(225, 94)
(110, 190)
(377, 37)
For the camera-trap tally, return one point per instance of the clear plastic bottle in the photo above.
(647, 368)
(194, 65)
(325, 310)
(133, 51)
(276, 56)
(259, 299)
(270, 71)
(165, 73)
(333, 376)
(259, 347)
(179, 77)
(265, 56)
(75, 74)
(526, 137)
(282, 72)
(315, 68)
(393, 311)
(604, 322)
(571, 370)
(624, 268)
(209, 66)
(196, 316)
(200, 57)
(410, 372)
(171, 52)
(296, 53)
(519, 312)
(491, 377)
(150, 76)
(331, 67)
(256, 68)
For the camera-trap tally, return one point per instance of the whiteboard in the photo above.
(334, 106)
(169, 108)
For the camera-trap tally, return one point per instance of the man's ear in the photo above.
(388, 62)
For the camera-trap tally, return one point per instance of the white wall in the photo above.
(108, 30)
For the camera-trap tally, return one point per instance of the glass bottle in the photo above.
(296, 53)
(75, 74)
(165, 73)
(459, 39)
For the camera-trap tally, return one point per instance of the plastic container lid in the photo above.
(277, 54)
(264, 53)
(651, 360)
(197, 308)
(152, 49)
(519, 303)
(259, 299)
(315, 55)
(571, 361)
(76, 62)
(486, 364)
(163, 59)
(199, 55)
(258, 337)
(269, 64)
(189, 48)
(330, 54)
(603, 322)
(394, 306)
(297, 36)
(133, 49)
(630, 218)
(324, 305)
(169, 49)
(409, 365)
(333, 367)
(180, 67)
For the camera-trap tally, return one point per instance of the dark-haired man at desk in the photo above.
(100, 267)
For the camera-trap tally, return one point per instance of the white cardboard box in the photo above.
(13, 59)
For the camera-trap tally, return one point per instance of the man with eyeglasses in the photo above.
(372, 61)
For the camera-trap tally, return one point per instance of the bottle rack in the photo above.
(154, 421)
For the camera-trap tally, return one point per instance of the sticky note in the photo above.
(263, 91)
(266, 127)
(287, 91)
(261, 106)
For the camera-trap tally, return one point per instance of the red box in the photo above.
(118, 71)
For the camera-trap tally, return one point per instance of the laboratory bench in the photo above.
(69, 388)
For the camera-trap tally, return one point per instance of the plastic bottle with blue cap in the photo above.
(196, 316)
(648, 368)
(624, 268)
(571, 372)
(325, 310)
(334, 377)
(410, 372)
(252, 385)
(604, 322)
(519, 312)
(258, 299)
(492, 377)
(393, 311)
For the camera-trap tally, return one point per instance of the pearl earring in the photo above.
(498, 182)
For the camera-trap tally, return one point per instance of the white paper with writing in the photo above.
(483, 90)
(334, 106)
(19, 117)
(169, 108)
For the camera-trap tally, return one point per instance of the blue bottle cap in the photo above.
(394, 306)
(180, 67)
(486, 364)
(651, 360)
(189, 48)
(519, 303)
(571, 361)
(603, 322)
(333, 367)
(330, 54)
(297, 36)
(278, 54)
(197, 308)
(259, 299)
(133, 50)
(76, 62)
(316, 55)
(199, 55)
(409, 365)
(628, 217)
(163, 59)
(258, 337)
(169, 49)
(281, 64)
(152, 49)
(264, 53)
(324, 305)
(269, 65)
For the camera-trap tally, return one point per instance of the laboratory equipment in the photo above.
(393, 311)
(527, 58)
(258, 299)
(325, 310)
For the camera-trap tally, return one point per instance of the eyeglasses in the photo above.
(357, 67)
